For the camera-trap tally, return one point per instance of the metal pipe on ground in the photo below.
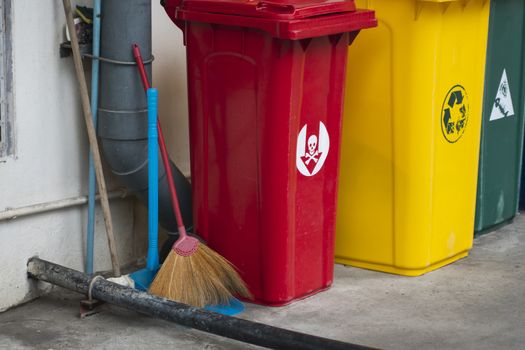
(226, 326)
(122, 115)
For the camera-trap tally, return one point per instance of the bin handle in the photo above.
(275, 8)
(170, 6)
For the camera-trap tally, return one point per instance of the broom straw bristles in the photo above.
(203, 278)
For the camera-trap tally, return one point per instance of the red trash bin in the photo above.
(265, 86)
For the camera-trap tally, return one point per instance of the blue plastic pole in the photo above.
(152, 262)
(90, 239)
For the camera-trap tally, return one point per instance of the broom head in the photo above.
(202, 277)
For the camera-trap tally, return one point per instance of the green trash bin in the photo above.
(503, 120)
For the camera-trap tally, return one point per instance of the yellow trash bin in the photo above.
(411, 136)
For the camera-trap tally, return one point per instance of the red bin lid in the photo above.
(285, 19)
(276, 9)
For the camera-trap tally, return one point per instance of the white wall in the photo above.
(169, 76)
(50, 163)
(51, 148)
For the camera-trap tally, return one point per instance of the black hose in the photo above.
(211, 322)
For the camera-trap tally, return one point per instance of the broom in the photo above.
(192, 273)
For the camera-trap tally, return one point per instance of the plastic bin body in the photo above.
(408, 180)
(255, 101)
(502, 130)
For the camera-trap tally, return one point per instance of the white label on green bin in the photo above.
(312, 149)
(503, 106)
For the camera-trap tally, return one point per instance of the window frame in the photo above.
(7, 144)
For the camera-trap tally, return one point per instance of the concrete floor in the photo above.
(476, 303)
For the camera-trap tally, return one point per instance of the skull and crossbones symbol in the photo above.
(313, 152)
(313, 145)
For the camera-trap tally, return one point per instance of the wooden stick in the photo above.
(92, 137)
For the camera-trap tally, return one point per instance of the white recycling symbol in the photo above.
(503, 106)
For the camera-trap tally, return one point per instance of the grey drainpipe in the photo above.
(122, 121)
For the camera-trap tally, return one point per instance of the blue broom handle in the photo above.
(153, 186)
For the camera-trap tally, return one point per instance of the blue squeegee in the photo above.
(144, 277)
